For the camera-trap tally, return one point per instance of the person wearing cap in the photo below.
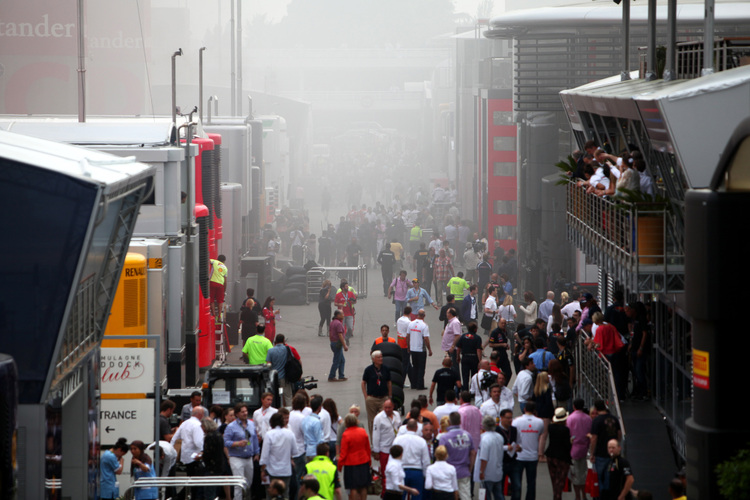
(345, 301)
(558, 452)
(417, 296)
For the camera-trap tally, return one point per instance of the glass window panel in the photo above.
(504, 143)
(502, 118)
(505, 232)
(505, 207)
(504, 168)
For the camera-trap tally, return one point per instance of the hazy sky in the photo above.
(277, 8)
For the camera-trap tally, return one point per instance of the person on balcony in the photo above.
(629, 178)
(647, 183)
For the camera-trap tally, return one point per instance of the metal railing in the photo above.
(188, 483)
(595, 379)
(80, 332)
(729, 52)
(357, 277)
(628, 240)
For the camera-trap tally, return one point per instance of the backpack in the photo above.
(292, 368)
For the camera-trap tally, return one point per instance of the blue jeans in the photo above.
(414, 478)
(516, 474)
(400, 304)
(600, 465)
(338, 360)
(494, 490)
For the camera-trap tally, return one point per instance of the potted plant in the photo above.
(733, 476)
(567, 167)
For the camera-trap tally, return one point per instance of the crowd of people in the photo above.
(441, 452)
(605, 174)
(461, 431)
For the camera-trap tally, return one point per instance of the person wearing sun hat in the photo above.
(558, 452)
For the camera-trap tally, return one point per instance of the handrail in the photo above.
(638, 236)
(596, 380)
(189, 482)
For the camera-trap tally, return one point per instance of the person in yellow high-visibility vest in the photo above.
(217, 285)
(415, 236)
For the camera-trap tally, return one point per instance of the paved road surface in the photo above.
(300, 326)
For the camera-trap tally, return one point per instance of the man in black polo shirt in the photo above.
(376, 387)
(510, 438)
(445, 378)
(619, 474)
(450, 300)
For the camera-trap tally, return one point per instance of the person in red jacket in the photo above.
(609, 342)
(355, 458)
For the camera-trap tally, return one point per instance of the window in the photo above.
(504, 143)
(502, 118)
(505, 232)
(505, 207)
(504, 168)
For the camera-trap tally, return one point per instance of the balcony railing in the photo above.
(629, 241)
(729, 52)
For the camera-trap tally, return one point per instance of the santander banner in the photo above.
(39, 56)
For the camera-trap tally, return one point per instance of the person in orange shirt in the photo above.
(385, 330)
(424, 412)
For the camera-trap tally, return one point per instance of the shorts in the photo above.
(217, 292)
(578, 471)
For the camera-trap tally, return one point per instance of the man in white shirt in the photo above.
(276, 454)
(191, 434)
(262, 415)
(384, 429)
(296, 416)
(325, 421)
(449, 407)
(491, 459)
(499, 400)
(418, 337)
(435, 242)
(415, 459)
(524, 385)
(571, 307)
(529, 429)
(402, 327)
(475, 386)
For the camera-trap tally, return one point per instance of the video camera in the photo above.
(307, 383)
